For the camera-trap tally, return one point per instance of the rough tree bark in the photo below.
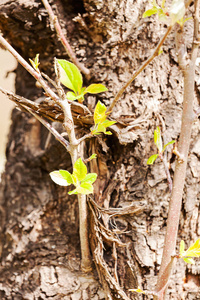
(39, 244)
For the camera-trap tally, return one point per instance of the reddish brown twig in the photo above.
(70, 52)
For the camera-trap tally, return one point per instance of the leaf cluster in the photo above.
(192, 251)
(71, 77)
(100, 120)
(159, 145)
(35, 63)
(79, 178)
(176, 12)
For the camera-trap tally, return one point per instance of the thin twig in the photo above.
(57, 135)
(146, 63)
(26, 66)
(70, 52)
(50, 128)
(86, 136)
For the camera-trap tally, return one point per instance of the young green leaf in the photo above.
(73, 192)
(70, 76)
(35, 63)
(95, 89)
(99, 112)
(138, 290)
(150, 12)
(67, 176)
(193, 250)
(163, 4)
(85, 188)
(79, 169)
(189, 260)
(61, 178)
(94, 155)
(71, 96)
(151, 159)
(90, 178)
(158, 139)
(177, 10)
(182, 247)
(170, 143)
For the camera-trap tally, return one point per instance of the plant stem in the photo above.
(70, 52)
(180, 169)
(26, 66)
(86, 261)
(146, 63)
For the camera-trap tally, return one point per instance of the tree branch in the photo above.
(180, 169)
(146, 63)
(70, 52)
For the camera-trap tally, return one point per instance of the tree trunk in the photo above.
(39, 245)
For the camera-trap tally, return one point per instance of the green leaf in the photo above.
(170, 143)
(90, 178)
(94, 155)
(193, 250)
(99, 129)
(151, 159)
(74, 192)
(108, 132)
(61, 178)
(67, 176)
(182, 247)
(35, 63)
(150, 12)
(79, 169)
(85, 188)
(189, 260)
(158, 139)
(177, 10)
(163, 4)
(95, 89)
(99, 112)
(108, 123)
(138, 290)
(70, 76)
(71, 96)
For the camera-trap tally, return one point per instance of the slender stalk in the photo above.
(86, 261)
(53, 131)
(70, 52)
(26, 66)
(180, 169)
(146, 63)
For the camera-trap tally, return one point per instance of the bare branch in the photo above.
(26, 66)
(146, 63)
(180, 169)
(70, 52)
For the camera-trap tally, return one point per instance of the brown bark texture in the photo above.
(39, 230)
